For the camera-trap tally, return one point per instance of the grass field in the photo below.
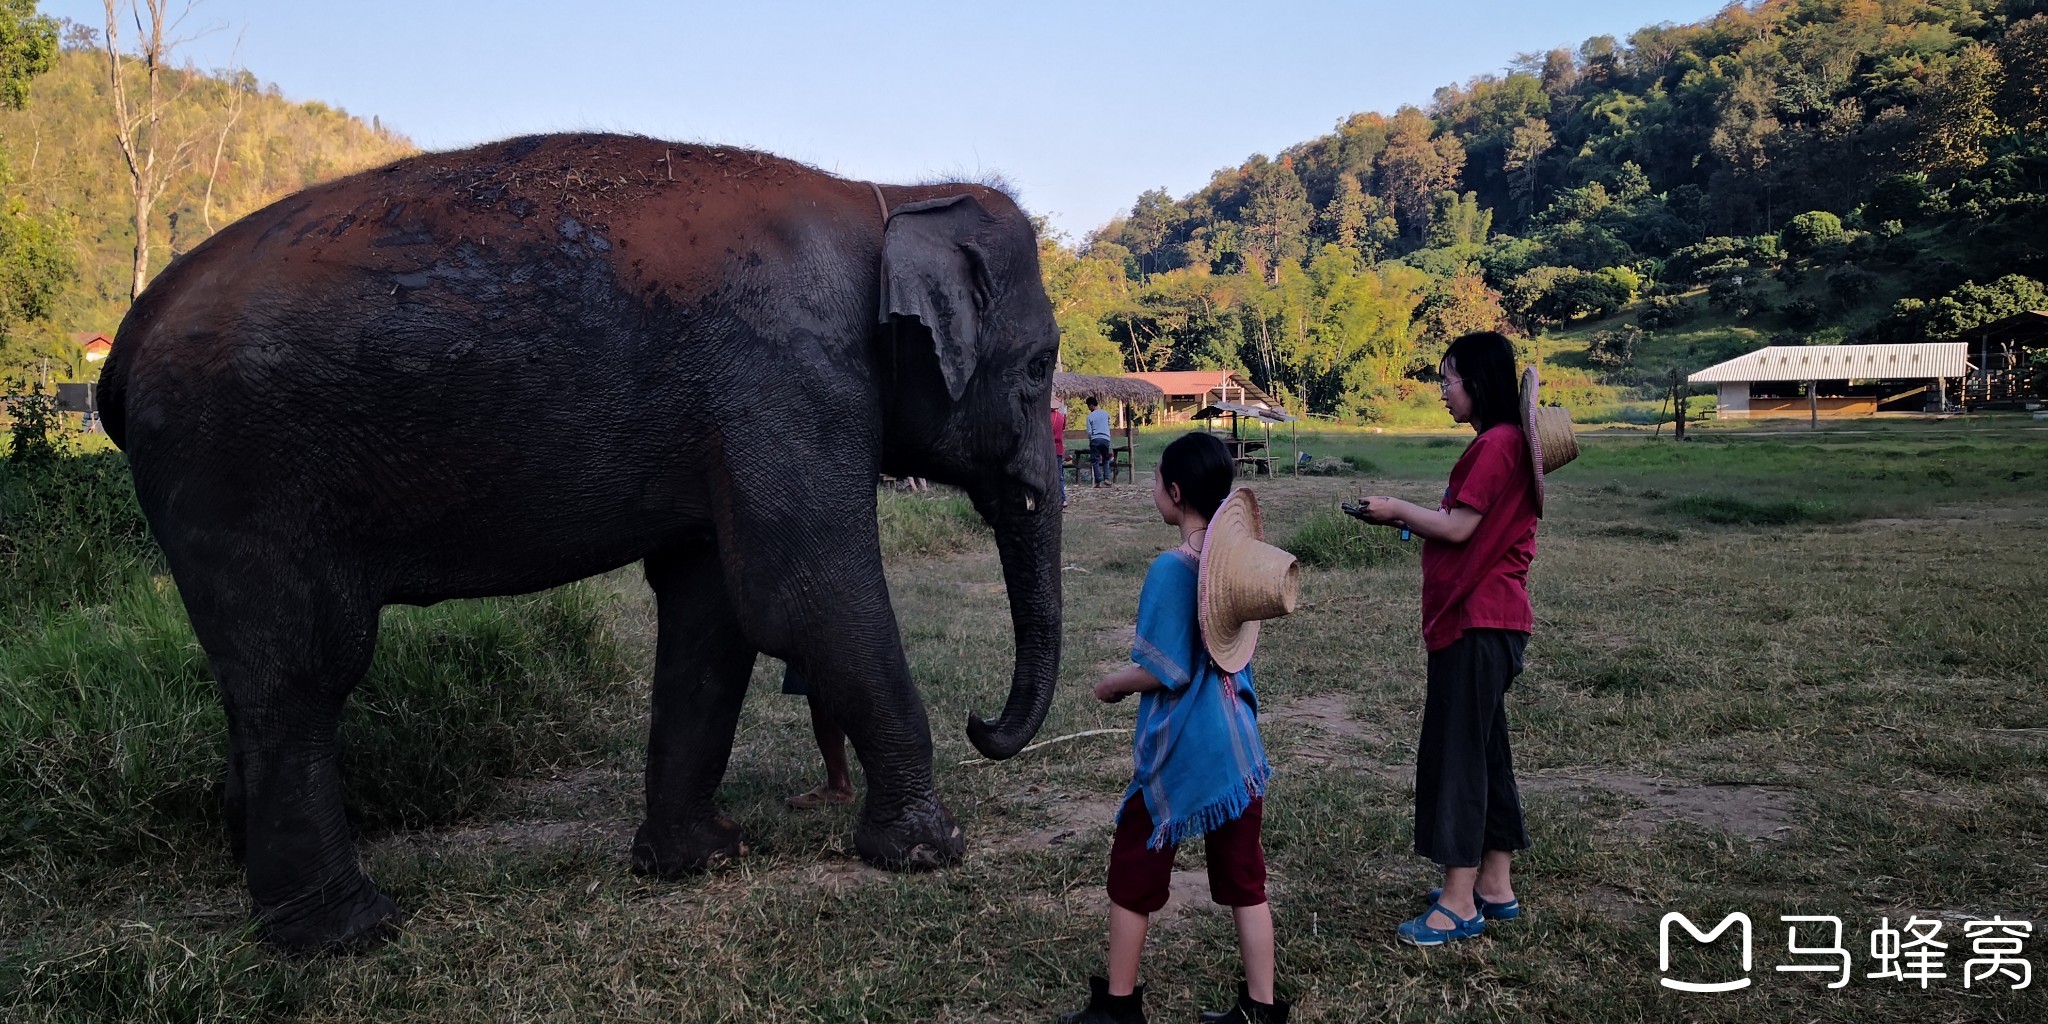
(1779, 672)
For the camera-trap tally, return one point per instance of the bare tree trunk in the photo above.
(135, 127)
(213, 173)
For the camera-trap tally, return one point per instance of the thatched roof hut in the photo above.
(1109, 389)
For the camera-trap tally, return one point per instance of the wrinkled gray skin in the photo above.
(504, 369)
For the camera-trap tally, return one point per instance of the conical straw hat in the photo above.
(1548, 430)
(1243, 579)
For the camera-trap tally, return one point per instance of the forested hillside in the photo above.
(230, 143)
(1790, 171)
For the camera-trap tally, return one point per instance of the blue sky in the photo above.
(1080, 105)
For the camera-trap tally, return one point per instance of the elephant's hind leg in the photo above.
(287, 646)
(701, 663)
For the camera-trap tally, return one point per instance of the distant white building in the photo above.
(1836, 380)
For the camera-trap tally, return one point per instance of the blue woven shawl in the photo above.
(1199, 762)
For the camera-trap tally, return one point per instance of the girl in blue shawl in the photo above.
(1200, 768)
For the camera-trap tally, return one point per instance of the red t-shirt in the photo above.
(1484, 582)
(1059, 433)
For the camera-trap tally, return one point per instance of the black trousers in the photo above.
(1465, 797)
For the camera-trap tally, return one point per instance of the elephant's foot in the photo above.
(920, 839)
(322, 923)
(674, 851)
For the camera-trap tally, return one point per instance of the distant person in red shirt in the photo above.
(1059, 445)
(1476, 619)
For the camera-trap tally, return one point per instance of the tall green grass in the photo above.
(112, 738)
(935, 522)
(70, 533)
(1332, 540)
(133, 971)
(1729, 510)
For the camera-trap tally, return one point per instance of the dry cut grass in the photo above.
(1835, 714)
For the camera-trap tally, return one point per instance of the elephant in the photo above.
(503, 369)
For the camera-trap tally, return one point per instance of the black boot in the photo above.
(1104, 1008)
(1248, 1012)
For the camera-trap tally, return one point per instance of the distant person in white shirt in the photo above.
(1098, 443)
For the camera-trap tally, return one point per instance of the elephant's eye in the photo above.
(1040, 365)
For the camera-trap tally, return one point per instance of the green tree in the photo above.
(2023, 95)
(1956, 121)
(1972, 304)
(1523, 159)
(1457, 220)
(33, 263)
(1276, 222)
(28, 43)
(1459, 306)
(1417, 166)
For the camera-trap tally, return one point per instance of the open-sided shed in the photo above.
(1835, 380)
(1131, 396)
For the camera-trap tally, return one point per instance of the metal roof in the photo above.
(1199, 383)
(1925, 360)
(1258, 412)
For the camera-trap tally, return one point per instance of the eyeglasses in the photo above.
(1443, 387)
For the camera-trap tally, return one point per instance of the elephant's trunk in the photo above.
(1028, 539)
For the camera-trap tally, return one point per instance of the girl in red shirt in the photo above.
(1477, 546)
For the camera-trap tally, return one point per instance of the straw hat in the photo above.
(1548, 429)
(1243, 579)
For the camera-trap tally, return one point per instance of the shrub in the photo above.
(1329, 539)
(1615, 348)
(1808, 233)
(1848, 284)
(1666, 311)
(1802, 314)
(1722, 256)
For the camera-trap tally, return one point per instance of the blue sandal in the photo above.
(1491, 911)
(1419, 933)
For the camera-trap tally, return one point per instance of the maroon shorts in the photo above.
(1140, 878)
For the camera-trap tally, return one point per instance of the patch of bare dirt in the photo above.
(838, 876)
(573, 791)
(1072, 819)
(1609, 902)
(1908, 524)
(1320, 730)
(1190, 895)
(1757, 813)
(1119, 637)
(516, 836)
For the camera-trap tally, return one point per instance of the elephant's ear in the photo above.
(933, 269)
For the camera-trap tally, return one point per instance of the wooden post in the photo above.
(1813, 405)
(1678, 397)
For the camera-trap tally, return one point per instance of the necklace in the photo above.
(1190, 544)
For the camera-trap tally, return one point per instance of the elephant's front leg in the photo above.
(701, 663)
(851, 655)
